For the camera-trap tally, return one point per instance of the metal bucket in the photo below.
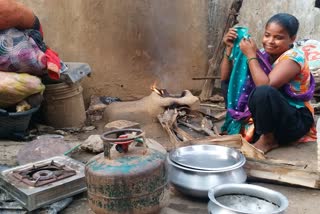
(245, 199)
(63, 105)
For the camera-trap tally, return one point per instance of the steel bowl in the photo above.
(193, 170)
(245, 199)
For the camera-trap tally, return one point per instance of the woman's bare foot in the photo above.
(266, 143)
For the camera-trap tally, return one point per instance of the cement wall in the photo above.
(132, 43)
(254, 16)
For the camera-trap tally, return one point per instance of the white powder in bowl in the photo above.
(245, 203)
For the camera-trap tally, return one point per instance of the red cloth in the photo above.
(53, 64)
(53, 61)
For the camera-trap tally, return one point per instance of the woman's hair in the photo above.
(287, 21)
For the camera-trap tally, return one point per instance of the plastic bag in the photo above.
(56, 207)
(312, 50)
(16, 87)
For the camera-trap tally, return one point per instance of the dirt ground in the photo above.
(301, 200)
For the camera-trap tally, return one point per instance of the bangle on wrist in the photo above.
(227, 56)
(252, 58)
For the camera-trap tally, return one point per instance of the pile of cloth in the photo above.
(24, 60)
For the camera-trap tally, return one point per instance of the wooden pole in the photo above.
(206, 78)
(214, 62)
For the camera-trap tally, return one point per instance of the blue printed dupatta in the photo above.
(240, 87)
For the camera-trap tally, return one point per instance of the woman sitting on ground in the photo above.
(279, 100)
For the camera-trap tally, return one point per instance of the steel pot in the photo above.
(245, 199)
(193, 170)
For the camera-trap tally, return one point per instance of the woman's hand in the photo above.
(248, 47)
(229, 38)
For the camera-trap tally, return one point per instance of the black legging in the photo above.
(271, 112)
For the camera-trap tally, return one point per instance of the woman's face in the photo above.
(276, 39)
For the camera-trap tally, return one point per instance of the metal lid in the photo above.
(207, 157)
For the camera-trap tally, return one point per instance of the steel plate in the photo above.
(207, 157)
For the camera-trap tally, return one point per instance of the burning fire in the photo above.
(154, 88)
(161, 92)
(164, 93)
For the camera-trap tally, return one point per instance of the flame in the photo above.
(154, 88)
(153, 85)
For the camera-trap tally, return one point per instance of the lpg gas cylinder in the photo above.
(131, 179)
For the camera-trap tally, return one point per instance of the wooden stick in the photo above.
(206, 78)
(216, 131)
(233, 141)
(210, 112)
(220, 116)
(278, 162)
(167, 119)
(212, 106)
(183, 134)
(216, 59)
(198, 129)
(282, 172)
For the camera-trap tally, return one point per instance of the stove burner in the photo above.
(43, 174)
